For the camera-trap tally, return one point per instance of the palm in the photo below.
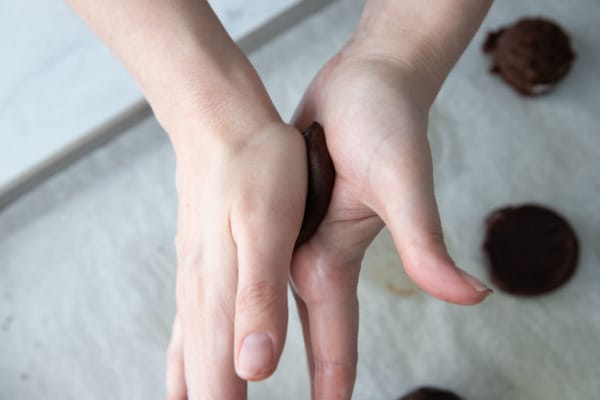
(370, 122)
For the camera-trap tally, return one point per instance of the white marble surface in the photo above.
(59, 82)
(87, 261)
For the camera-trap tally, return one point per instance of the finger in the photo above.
(264, 254)
(328, 292)
(406, 202)
(206, 299)
(176, 389)
(303, 316)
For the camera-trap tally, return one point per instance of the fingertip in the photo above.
(427, 262)
(256, 359)
(476, 284)
(439, 276)
(470, 291)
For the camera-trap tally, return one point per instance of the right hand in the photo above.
(241, 203)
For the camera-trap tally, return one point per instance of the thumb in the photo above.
(405, 200)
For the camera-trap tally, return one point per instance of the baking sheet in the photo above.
(87, 262)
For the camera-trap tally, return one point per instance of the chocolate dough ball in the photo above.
(530, 249)
(430, 393)
(321, 177)
(531, 55)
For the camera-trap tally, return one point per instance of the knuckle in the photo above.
(304, 277)
(431, 242)
(304, 286)
(339, 373)
(431, 235)
(258, 295)
(249, 210)
(430, 238)
(318, 283)
(436, 237)
(221, 310)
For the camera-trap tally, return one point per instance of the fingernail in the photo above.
(474, 282)
(256, 355)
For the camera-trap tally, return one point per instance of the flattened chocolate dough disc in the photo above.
(321, 177)
(532, 55)
(430, 393)
(531, 250)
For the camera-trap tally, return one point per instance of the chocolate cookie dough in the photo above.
(429, 393)
(321, 176)
(531, 55)
(531, 250)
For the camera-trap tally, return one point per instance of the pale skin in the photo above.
(241, 182)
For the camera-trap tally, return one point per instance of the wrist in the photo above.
(387, 33)
(196, 79)
(203, 129)
(424, 40)
(408, 62)
(216, 103)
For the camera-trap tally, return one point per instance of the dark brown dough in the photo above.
(321, 176)
(531, 250)
(430, 393)
(531, 55)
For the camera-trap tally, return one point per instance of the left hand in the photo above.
(374, 112)
(241, 193)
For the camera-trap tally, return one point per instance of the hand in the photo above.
(374, 112)
(240, 209)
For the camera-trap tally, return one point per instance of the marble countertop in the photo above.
(60, 87)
